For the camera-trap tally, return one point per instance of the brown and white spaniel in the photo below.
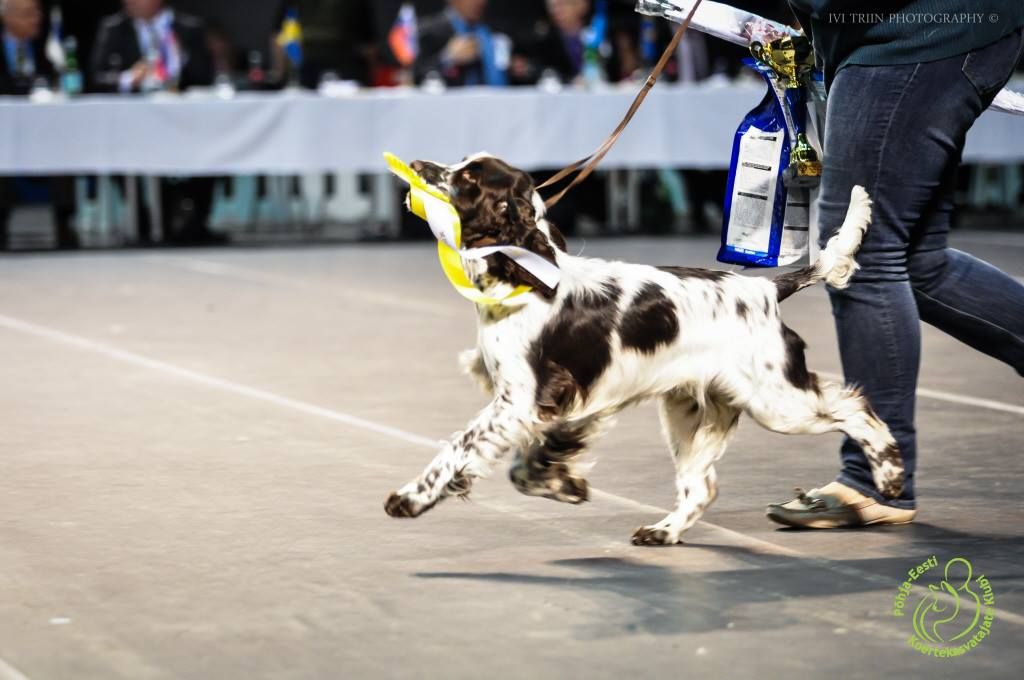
(560, 362)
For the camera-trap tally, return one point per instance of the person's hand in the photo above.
(463, 49)
(138, 74)
(520, 67)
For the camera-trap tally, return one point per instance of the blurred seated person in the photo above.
(23, 58)
(558, 43)
(460, 48)
(23, 61)
(150, 47)
(337, 38)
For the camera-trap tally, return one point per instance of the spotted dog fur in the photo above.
(707, 345)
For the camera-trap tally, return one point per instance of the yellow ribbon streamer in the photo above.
(448, 254)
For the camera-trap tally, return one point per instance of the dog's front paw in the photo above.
(399, 505)
(655, 535)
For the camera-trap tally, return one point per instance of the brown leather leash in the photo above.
(590, 163)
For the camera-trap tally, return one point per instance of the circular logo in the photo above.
(950, 611)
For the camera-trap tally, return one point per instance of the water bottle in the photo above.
(71, 78)
(433, 83)
(595, 48)
(550, 82)
(223, 86)
(256, 74)
(41, 92)
(593, 69)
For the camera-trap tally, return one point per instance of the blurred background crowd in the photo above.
(132, 47)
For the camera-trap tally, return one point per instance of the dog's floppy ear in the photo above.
(514, 216)
(520, 211)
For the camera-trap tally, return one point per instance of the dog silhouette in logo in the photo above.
(939, 619)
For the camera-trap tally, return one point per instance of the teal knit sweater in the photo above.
(887, 32)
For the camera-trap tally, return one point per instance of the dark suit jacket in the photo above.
(336, 35)
(117, 49)
(544, 48)
(12, 84)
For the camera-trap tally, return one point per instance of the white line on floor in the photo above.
(373, 297)
(767, 546)
(213, 268)
(112, 352)
(9, 672)
(955, 398)
(210, 381)
(993, 239)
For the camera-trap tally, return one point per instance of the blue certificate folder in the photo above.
(756, 194)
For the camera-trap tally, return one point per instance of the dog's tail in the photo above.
(835, 265)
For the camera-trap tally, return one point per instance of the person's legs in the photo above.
(876, 317)
(899, 131)
(6, 200)
(62, 197)
(972, 301)
(957, 293)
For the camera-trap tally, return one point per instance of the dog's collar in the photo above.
(431, 205)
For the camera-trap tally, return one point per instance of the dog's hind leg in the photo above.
(697, 437)
(498, 429)
(817, 406)
(546, 467)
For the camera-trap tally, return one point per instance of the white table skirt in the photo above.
(298, 132)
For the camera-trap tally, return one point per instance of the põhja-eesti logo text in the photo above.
(953, 615)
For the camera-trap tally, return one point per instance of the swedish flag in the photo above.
(290, 37)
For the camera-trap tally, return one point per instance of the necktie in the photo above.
(574, 48)
(21, 66)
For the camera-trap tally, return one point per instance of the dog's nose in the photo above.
(417, 166)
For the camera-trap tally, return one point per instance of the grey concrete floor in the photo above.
(195, 447)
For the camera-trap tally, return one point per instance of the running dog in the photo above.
(560, 362)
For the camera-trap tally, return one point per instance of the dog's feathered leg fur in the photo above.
(472, 364)
(469, 455)
(550, 468)
(697, 437)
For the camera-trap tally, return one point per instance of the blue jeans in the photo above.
(899, 131)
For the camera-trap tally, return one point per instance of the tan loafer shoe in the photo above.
(836, 506)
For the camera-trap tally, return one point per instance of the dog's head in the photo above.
(497, 205)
